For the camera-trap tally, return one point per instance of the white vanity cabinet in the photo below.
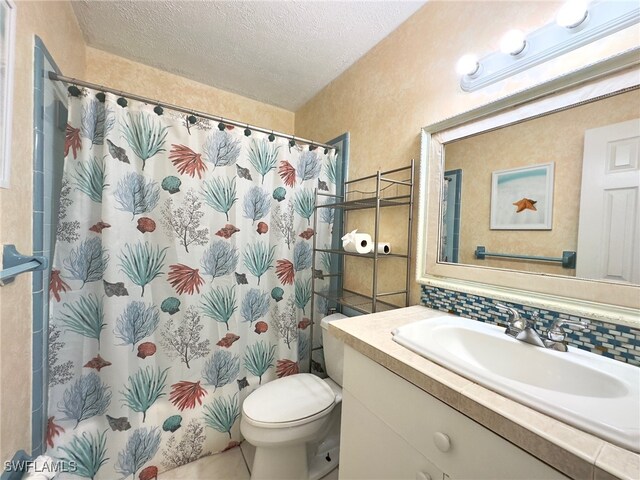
(391, 429)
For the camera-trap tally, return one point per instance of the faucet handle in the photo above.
(556, 332)
(514, 315)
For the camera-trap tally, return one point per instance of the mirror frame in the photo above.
(616, 303)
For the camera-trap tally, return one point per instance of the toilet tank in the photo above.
(333, 349)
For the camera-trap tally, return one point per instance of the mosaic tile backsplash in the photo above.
(610, 340)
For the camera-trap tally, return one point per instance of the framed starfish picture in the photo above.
(522, 198)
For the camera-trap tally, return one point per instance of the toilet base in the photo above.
(319, 463)
(323, 463)
(290, 463)
(324, 455)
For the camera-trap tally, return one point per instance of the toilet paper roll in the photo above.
(383, 248)
(361, 243)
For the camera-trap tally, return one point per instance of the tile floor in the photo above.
(229, 465)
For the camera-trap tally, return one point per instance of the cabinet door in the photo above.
(370, 450)
(458, 445)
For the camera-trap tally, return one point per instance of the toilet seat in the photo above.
(289, 401)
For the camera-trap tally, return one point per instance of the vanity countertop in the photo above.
(575, 453)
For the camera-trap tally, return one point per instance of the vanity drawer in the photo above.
(371, 450)
(456, 444)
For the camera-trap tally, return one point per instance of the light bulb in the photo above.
(467, 65)
(572, 14)
(513, 42)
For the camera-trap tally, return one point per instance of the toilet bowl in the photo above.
(294, 422)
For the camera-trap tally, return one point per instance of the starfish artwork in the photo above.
(525, 204)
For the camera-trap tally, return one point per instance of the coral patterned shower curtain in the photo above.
(181, 281)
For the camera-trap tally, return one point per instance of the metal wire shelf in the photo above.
(356, 301)
(365, 203)
(362, 255)
(402, 195)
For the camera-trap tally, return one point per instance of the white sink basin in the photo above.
(594, 393)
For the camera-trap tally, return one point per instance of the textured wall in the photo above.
(408, 81)
(56, 24)
(106, 69)
(557, 138)
(405, 82)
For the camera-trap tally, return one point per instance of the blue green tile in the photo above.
(37, 283)
(36, 353)
(38, 191)
(37, 431)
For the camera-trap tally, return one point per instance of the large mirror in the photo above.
(535, 198)
(555, 194)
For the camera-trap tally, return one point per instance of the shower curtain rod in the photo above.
(74, 81)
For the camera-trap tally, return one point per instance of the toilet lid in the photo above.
(289, 399)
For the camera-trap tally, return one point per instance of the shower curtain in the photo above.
(181, 282)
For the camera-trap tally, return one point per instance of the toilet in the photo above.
(294, 422)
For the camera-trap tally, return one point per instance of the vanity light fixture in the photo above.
(572, 14)
(513, 43)
(577, 23)
(468, 65)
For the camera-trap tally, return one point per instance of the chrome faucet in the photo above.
(524, 329)
(520, 328)
(556, 335)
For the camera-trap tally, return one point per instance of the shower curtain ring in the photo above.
(74, 91)
(272, 137)
(247, 131)
(221, 125)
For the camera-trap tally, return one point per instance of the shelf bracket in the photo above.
(14, 263)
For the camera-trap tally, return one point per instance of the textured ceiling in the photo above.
(281, 53)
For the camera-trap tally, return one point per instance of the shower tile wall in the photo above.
(607, 339)
(49, 123)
